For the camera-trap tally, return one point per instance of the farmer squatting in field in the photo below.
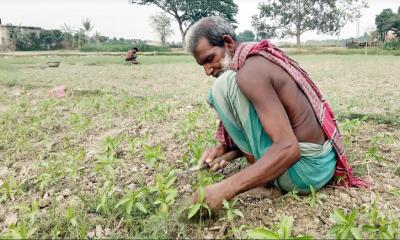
(270, 112)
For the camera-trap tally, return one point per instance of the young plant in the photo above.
(199, 205)
(283, 231)
(231, 213)
(165, 192)
(153, 154)
(379, 226)
(77, 224)
(19, 231)
(346, 226)
(29, 213)
(131, 201)
(106, 194)
(315, 198)
(9, 190)
(294, 194)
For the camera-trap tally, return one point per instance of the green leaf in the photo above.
(262, 233)
(122, 202)
(286, 227)
(353, 216)
(141, 207)
(238, 213)
(356, 233)
(193, 210)
(226, 204)
(201, 194)
(204, 205)
(339, 217)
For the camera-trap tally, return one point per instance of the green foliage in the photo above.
(132, 201)
(199, 205)
(246, 36)
(316, 198)
(387, 20)
(165, 192)
(9, 190)
(153, 154)
(187, 12)
(276, 17)
(161, 24)
(282, 231)
(346, 226)
(379, 226)
(19, 231)
(230, 211)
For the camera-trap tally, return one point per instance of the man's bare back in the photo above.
(300, 113)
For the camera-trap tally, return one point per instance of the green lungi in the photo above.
(317, 164)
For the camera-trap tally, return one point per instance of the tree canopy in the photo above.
(187, 12)
(246, 36)
(161, 24)
(388, 20)
(281, 18)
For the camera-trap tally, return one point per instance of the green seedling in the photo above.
(9, 190)
(153, 154)
(379, 226)
(373, 154)
(316, 198)
(19, 231)
(346, 226)
(29, 212)
(165, 192)
(77, 224)
(231, 213)
(294, 194)
(106, 165)
(283, 231)
(199, 205)
(106, 193)
(111, 146)
(132, 201)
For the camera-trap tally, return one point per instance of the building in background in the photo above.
(5, 39)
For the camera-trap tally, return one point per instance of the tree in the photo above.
(281, 18)
(388, 20)
(98, 37)
(161, 24)
(15, 35)
(87, 27)
(68, 33)
(246, 36)
(187, 12)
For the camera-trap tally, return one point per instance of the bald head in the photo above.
(211, 28)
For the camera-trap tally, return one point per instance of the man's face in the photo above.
(215, 60)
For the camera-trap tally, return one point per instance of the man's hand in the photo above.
(218, 157)
(215, 194)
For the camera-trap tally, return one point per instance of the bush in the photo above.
(392, 45)
(122, 47)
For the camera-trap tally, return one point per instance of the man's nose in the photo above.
(208, 70)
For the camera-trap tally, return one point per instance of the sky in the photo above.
(118, 18)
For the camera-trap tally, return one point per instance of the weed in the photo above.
(315, 198)
(9, 190)
(19, 231)
(373, 154)
(165, 193)
(283, 231)
(131, 201)
(346, 226)
(199, 205)
(153, 154)
(294, 194)
(231, 213)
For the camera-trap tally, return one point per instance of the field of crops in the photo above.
(101, 162)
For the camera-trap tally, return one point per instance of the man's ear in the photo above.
(229, 43)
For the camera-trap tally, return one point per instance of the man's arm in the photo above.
(255, 81)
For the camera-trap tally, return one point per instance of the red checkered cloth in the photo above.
(343, 172)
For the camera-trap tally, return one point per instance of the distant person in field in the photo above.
(270, 112)
(131, 56)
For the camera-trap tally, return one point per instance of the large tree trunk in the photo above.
(298, 41)
(183, 32)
